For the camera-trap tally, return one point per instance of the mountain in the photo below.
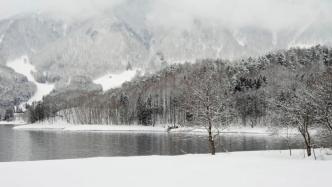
(106, 43)
(91, 47)
(25, 34)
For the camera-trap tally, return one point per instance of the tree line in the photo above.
(291, 88)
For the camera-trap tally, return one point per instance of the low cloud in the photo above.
(272, 14)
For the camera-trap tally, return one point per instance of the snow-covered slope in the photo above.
(111, 80)
(92, 47)
(23, 66)
(27, 33)
(107, 42)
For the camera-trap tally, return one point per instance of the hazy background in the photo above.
(272, 14)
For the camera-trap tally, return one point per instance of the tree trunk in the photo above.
(307, 142)
(309, 150)
(211, 140)
(289, 148)
(304, 130)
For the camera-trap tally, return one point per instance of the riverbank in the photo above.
(236, 169)
(16, 123)
(63, 126)
(69, 127)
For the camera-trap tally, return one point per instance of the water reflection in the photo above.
(42, 145)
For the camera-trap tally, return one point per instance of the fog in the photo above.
(68, 7)
(272, 14)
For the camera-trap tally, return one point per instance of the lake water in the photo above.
(18, 145)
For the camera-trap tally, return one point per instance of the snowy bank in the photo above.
(238, 169)
(240, 130)
(13, 123)
(62, 125)
(114, 128)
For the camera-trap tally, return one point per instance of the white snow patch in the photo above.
(110, 80)
(236, 169)
(241, 40)
(241, 43)
(302, 45)
(297, 42)
(65, 28)
(274, 38)
(1, 38)
(23, 66)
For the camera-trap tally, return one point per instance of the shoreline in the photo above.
(150, 129)
(14, 123)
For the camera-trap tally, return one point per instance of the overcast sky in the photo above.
(12, 7)
(273, 14)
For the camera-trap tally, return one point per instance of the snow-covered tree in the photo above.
(208, 99)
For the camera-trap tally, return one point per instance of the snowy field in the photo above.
(238, 169)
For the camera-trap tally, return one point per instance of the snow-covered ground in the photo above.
(20, 122)
(23, 66)
(110, 80)
(239, 129)
(113, 128)
(63, 125)
(237, 169)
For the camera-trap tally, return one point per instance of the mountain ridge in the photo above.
(106, 43)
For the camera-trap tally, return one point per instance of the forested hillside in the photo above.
(253, 91)
(14, 89)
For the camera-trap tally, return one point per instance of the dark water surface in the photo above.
(19, 145)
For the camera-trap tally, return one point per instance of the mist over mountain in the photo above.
(180, 30)
(68, 40)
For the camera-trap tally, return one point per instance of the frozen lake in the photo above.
(17, 145)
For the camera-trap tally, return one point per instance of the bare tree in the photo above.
(298, 104)
(208, 93)
(321, 87)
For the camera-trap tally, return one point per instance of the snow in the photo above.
(303, 45)
(65, 29)
(241, 40)
(238, 169)
(110, 80)
(274, 38)
(23, 66)
(12, 122)
(231, 129)
(64, 126)
(112, 128)
(1, 38)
